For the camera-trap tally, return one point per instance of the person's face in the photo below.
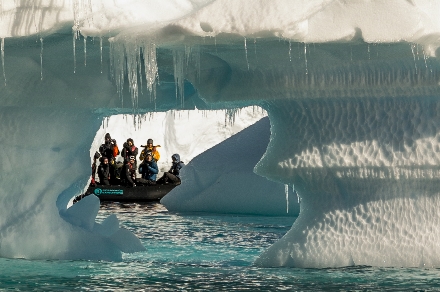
(149, 158)
(131, 161)
(105, 161)
(130, 143)
(173, 158)
(150, 145)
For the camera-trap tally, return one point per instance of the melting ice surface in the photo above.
(351, 89)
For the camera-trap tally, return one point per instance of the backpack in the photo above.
(115, 150)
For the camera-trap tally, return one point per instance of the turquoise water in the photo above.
(202, 253)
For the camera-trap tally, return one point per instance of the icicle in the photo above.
(74, 52)
(255, 48)
(297, 195)
(245, 51)
(139, 62)
(425, 57)
(305, 57)
(290, 51)
(118, 67)
(286, 190)
(151, 70)
(413, 46)
(85, 51)
(230, 115)
(187, 54)
(100, 48)
(178, 60)
(351, 53)
(81, 9)
(76, 17)
(132, 73)
(41, 59)
(3, 58)
(192, 54)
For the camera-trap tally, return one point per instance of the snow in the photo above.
(351, 89)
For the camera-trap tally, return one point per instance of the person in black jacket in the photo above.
(107, 149)
(129, 150)
(173, 175)
(110, 150)
(104, 172)
(128, 173)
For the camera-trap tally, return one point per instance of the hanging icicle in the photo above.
(179, 72)
(150, 68)
(118, 67)
(41, 59)
(85, 51)
(3, 58)
(100, 49)
(74, 52)
(290, 50)
(139, 66)
(82, 11)
(132, 73)
(297, 195)
(246, 54)
(286, 190)
(305, 58)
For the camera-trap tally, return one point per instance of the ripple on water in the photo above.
(201, 252)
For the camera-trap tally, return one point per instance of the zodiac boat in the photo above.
(120, 193)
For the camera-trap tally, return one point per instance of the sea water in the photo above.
(201, 252)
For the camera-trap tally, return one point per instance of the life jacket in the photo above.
(115, 150)
(152, 150)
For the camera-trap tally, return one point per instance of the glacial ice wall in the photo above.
(351, 89)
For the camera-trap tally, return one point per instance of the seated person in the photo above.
(129, 150)
(172, 176)
(128, 173)
(149, 148)
(104, 172)
(148, 170)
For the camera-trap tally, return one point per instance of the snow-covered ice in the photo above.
(350, 87)
(221, 179)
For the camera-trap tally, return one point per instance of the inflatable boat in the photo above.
(119, 193)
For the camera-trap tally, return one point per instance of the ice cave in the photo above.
(351, 89)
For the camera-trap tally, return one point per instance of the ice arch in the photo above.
(354, 116)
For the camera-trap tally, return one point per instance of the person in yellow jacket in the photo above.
(149, 148)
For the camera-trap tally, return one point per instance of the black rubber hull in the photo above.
(115, 193)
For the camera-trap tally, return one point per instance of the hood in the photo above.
(176, 156)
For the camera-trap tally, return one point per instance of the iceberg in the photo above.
(221, 180)
(351, 89)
